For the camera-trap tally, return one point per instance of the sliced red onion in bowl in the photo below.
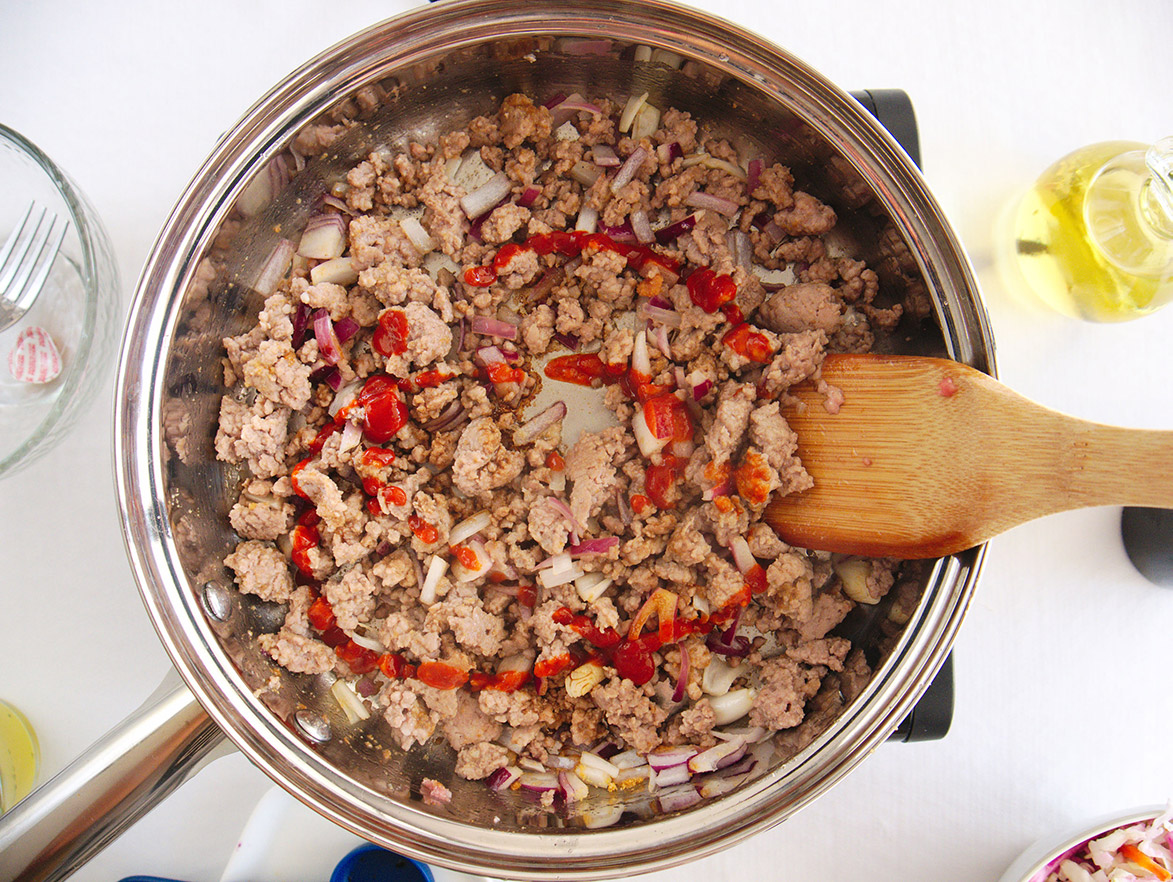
(324, 237)
(674, 231)
(336, 270)
(719, 204)
(679, 798)
(493, 327)
(622, 234)
(554, 100)
(447, 418)
(538, 782)
(628, 170)
(275, 267)
(667, 757)
(329, 348)
(573, 788)
(487, 355)
(671, 775)
(742, 766)
(709, 760)
(301, 324)
(532, 428)
(503, 778)
(485, 197)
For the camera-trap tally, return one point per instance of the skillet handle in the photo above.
(90, 803)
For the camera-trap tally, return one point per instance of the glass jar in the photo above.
(1094, 236)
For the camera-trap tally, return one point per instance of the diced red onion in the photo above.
(675, 151)
(701, 389)
(660, 303)
(345, 328)
(674, 231)
(642, 227)
(753, 176)
(275, 267)
(487, 355)
(328, 346)
(773, 232)
(708, 760)
(324, 237)
(719, 204)
(554, 100)
(538, 781)
(567, 515)
(595, 546)
(570, 341)
(727, 642)
(628, 759)
(628, 170)
(678, 799)
(672, 775)
(529, 196)
(588, 219)
(573, 788)
(682, 678)
(262, 188)
(667, 757)
(301, 323)
(503, 778)
(324, 373)
(608, 750)
(383, 548)
(623, 507)
(532, 428)
(594, 761)
(541, 289)
(366, 687)
(622, 234)
(712, 493)
(447, 418)
(486, 196)
(734, 757)
(493, 327)
(744, 765)
(740, 248)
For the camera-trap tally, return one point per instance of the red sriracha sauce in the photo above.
(710, 291)
(423, 531)
(568, 244)
(391, 333)
(304, 538)
(385, 411)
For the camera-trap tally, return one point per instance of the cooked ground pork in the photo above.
(398, 500)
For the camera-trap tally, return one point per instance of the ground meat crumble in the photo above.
(369, 456)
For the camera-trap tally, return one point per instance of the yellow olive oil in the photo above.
(20, 756)
(1093, 237)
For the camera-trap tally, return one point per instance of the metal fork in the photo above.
(25, 260)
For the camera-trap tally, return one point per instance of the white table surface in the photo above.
(1064, 707)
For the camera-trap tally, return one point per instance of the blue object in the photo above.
(369, 863)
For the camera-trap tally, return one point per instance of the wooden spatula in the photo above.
(928, 457)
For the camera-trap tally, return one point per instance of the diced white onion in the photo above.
(351, 704)
(647, 120)
(602, 816)
(742, 556)
(595, 761)
(588, 219)
(469, 527)
(634, 103)
(719, 676)
(551, 578)
(854, 573)
(641, 361)
(324, 237)
(486, 196)
(351, 436)
(336, 270)
(419, 237)
(590, 587)
(368, 642)
(467, 574)
(345, 396)
(648, 443)
(732, 705)
(594, 777)
(629, 759)
(437, 567)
